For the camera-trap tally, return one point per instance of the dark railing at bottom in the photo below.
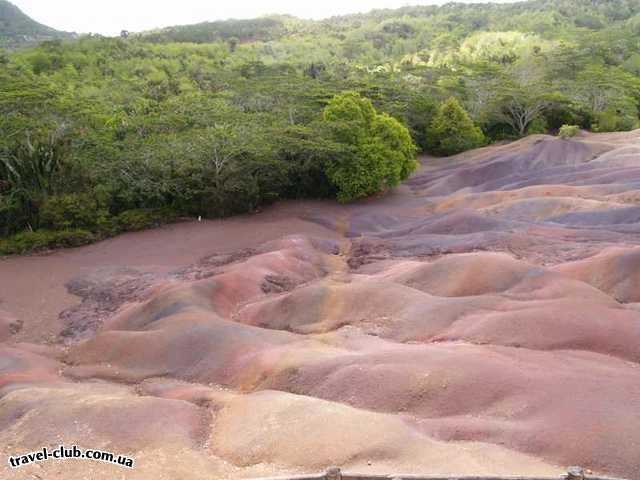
(334, 473)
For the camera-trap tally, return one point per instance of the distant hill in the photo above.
(258, 29)
(17, 28)
(418, 24)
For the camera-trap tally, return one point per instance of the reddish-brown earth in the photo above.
(484, 318)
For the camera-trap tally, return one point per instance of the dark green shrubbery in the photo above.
(539, 125)
(72, 211)
(82, 211)
(419, 113)
(142, 219)
(60, 215)
(613, 121)
(40, 240)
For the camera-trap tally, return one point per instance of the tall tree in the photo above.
(379, 150)
(525, 94)
(452, 130)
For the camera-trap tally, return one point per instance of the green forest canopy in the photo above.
(218, 118)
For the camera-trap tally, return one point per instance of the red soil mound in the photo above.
(615, 271)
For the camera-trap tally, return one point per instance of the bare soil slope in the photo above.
(483, 318)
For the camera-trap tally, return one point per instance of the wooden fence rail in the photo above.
(574, 473)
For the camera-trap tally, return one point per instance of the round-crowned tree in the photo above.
(452, 130)
(379, 152)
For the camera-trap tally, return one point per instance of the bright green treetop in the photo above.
(379, 150)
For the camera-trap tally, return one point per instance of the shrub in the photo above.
(539, 125)
(612, 121)
(63, 212)
(379, 152)
(452, 130)
(39, 240)
(26, 242)
(141, 219)
(568, 131)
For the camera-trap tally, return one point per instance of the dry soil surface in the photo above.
(483, 318)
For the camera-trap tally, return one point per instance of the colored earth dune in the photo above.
(483, 318)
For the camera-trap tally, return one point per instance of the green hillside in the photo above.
(260, 29)
(17, 29)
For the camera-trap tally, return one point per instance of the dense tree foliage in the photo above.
(219, 118)
(378, 150)
(452, 130)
